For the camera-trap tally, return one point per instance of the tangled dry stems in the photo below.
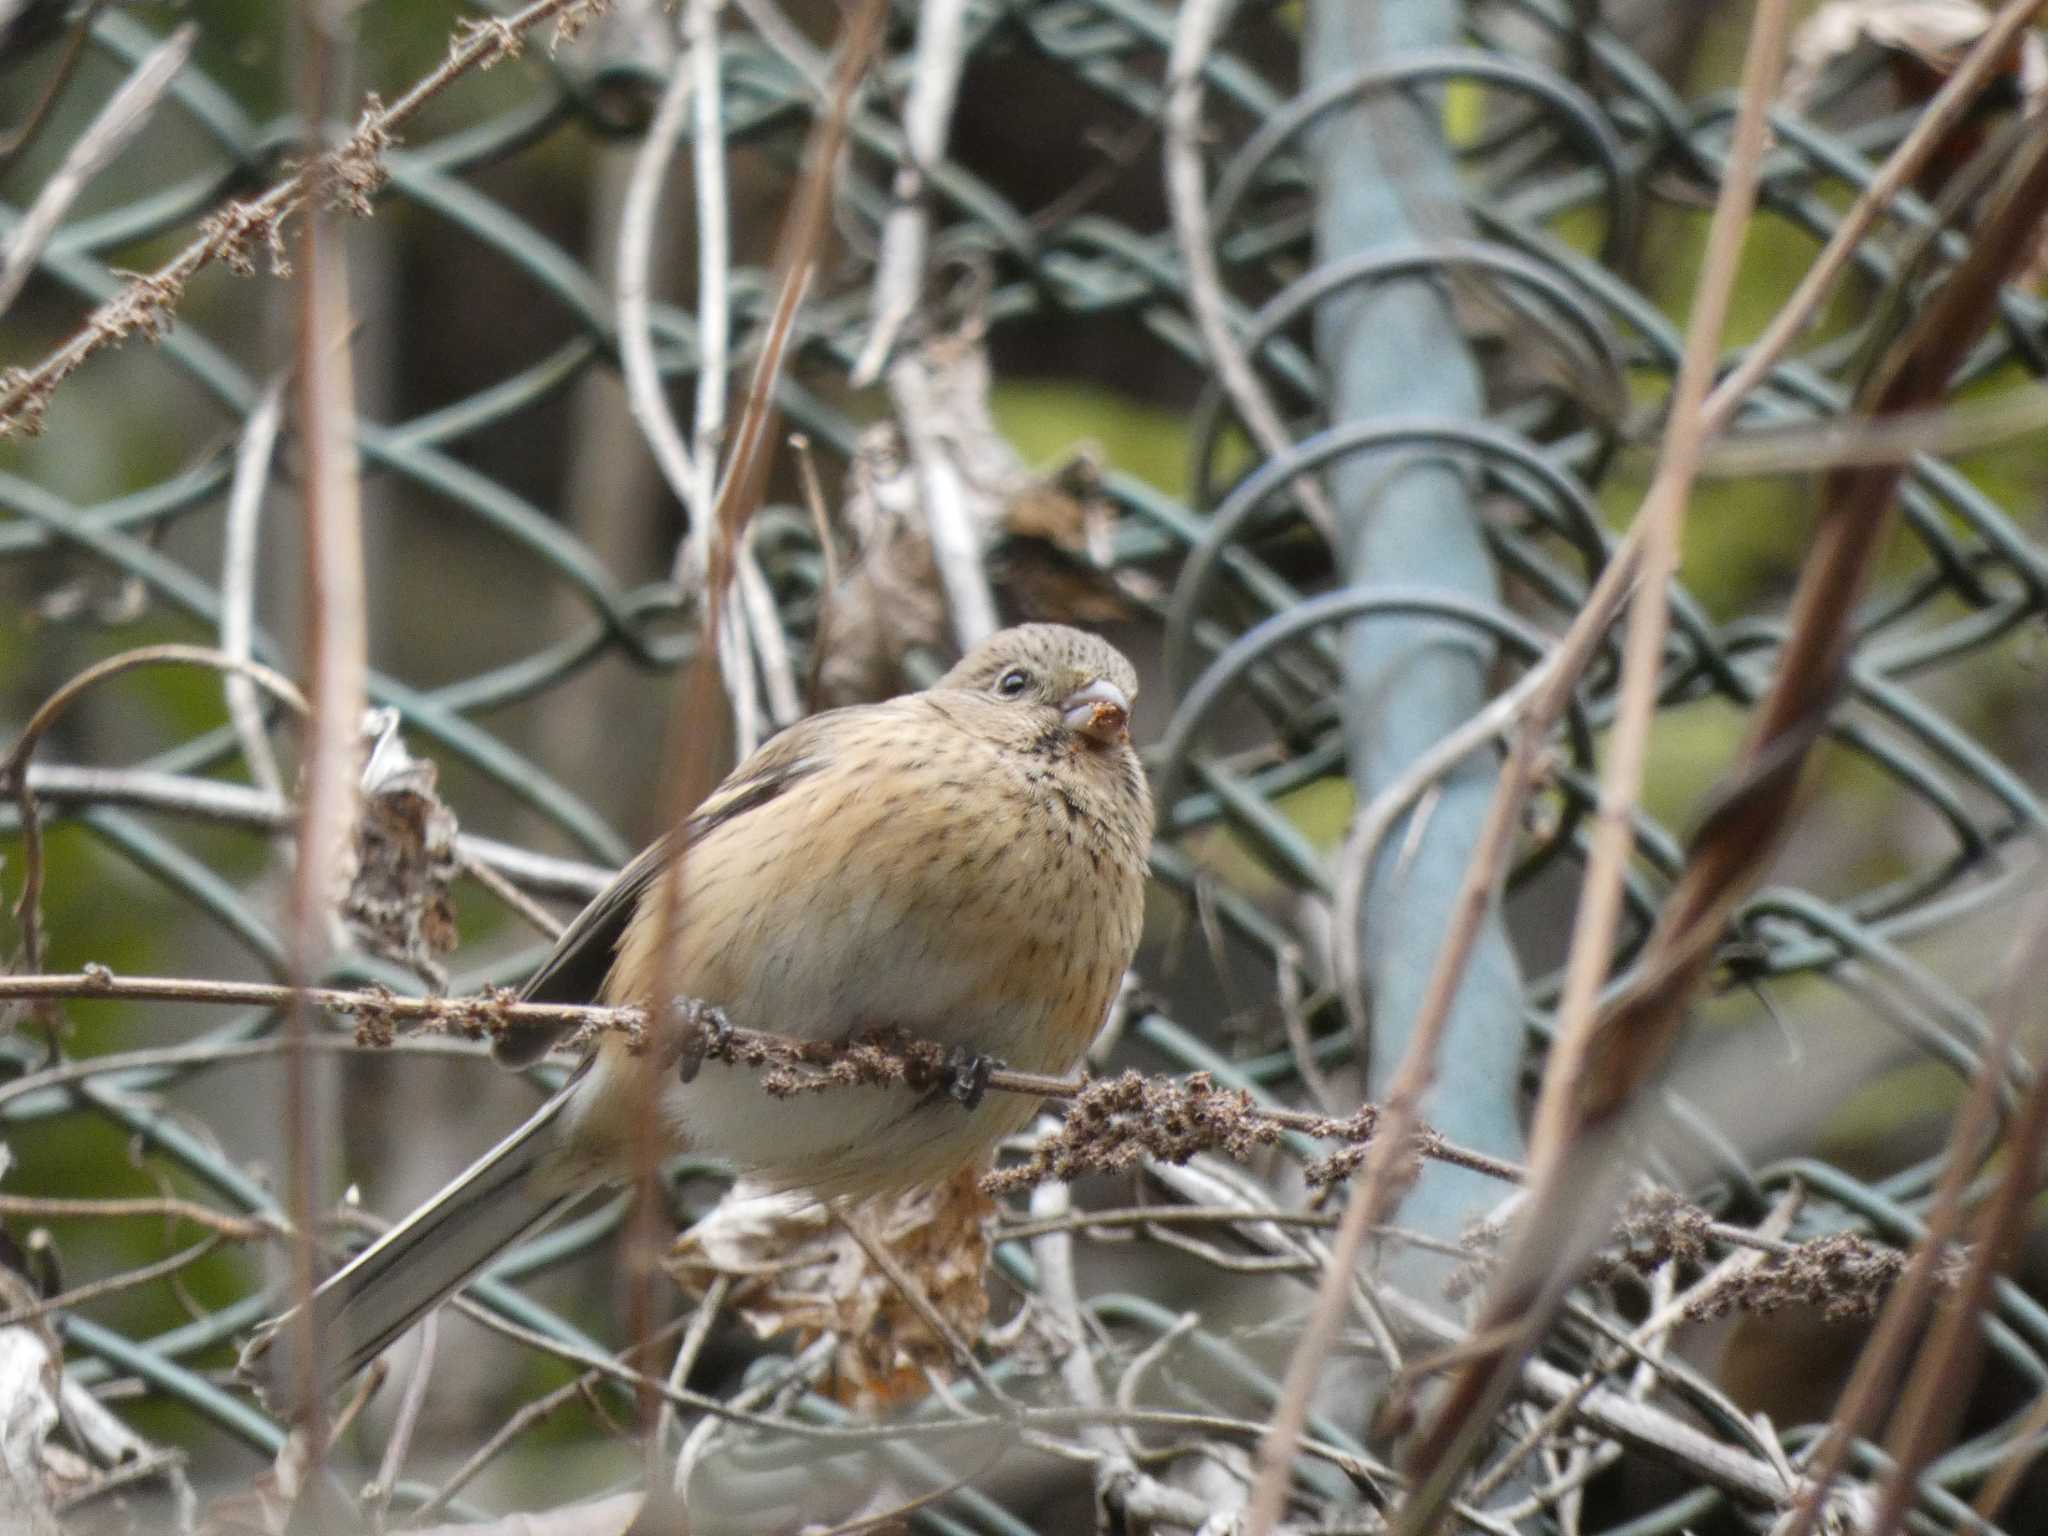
(350, 176)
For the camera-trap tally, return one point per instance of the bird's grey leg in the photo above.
(967, 1075)
(703, 1031)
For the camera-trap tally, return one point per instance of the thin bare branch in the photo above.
(927, 115)
(111, 131)
(1958, 95)
(14, 776)
(1441, 1455)
(377, 1497)
(232, 234)
(1196, 30)
(818, 1065)
(240, 548)
(128, 1279)
(337, 642)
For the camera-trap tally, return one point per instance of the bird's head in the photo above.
(1058, 680)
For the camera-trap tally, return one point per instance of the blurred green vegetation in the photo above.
(1048, 418)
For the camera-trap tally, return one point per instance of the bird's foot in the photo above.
(967, 1075)
(703, 1032)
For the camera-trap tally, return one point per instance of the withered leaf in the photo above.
(795, 1268)
(399, 901)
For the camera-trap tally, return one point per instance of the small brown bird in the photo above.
(966, 864)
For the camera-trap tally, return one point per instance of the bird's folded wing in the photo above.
(575, 971)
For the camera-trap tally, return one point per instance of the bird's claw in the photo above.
(967, 1075)
(704, 1031)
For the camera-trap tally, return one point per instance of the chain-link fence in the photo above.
(1315, 354)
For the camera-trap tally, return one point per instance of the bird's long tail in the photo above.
(380, 1293)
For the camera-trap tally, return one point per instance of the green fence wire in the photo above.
(1577, 178)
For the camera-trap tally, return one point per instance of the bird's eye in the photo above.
(1013, 682)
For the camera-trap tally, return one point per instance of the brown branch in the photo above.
(14, 777)
(1989, 56)
(1663, 511)
(1754, 807)
(1179, 1111)
(1115, 1121)
(1585, 1041)
(1938, 1384)
(693, 750)
(53, 1208)
(336, 604)
(232, 234)
(126, 1280)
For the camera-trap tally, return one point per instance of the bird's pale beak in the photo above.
(1100, 713)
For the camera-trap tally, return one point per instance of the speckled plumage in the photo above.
(966, 864)
(952, 863)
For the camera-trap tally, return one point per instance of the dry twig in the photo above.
(234, 234)
(1560, 1126)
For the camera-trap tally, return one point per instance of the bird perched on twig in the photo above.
(966, 864)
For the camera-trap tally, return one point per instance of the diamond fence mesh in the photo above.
(1317, 354)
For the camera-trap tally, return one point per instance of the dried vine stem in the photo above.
(92, 1290)
(1959, 94)
(1195, 32)
(240, 805)
(14, 777)
(232, 235)
(824, 1065)
(1629, 1037)
(116, 125)
(906, 231)
(1533, 705)
(689, 472)
(378, 1013)
(337, 640)
(1443, 1452)
(1939, 1382)
(168, 1209)
(1180, 1106)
